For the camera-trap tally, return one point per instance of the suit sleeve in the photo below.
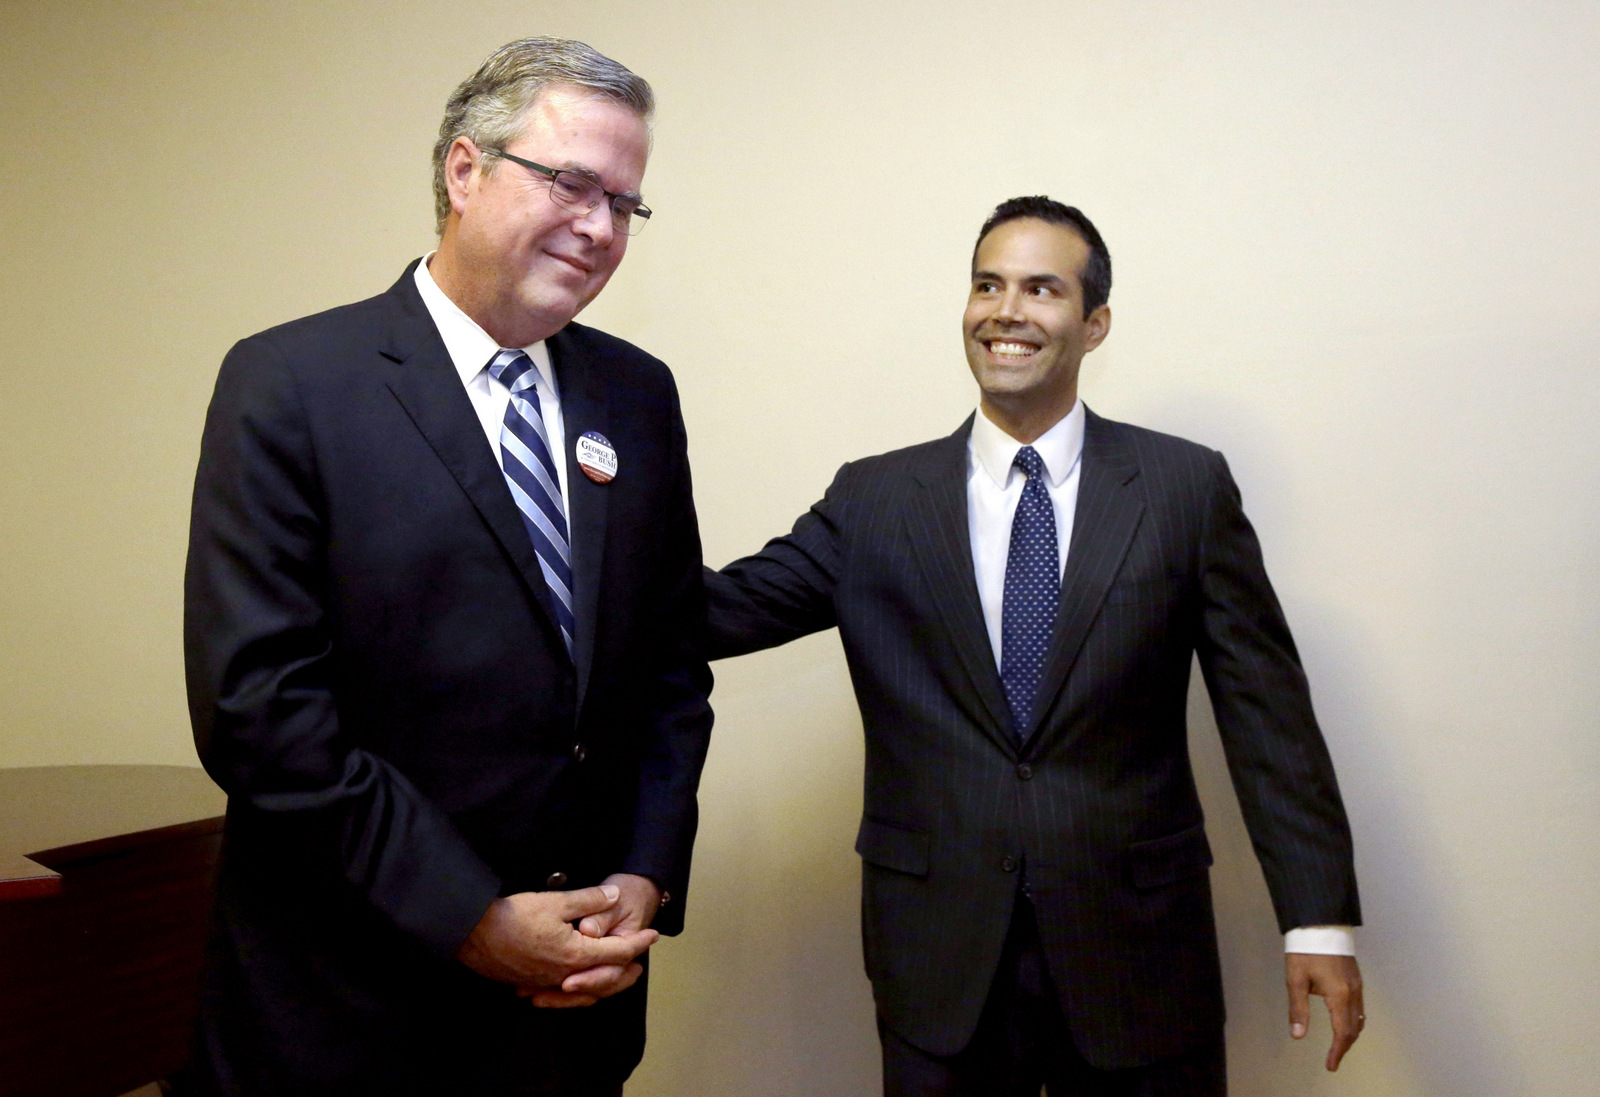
(666, 813)
(260, 667)
(786, 590)
(1276, 755)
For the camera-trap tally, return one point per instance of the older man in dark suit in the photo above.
(443, 609)
(1020, 604)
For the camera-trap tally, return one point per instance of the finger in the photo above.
(602, 982)
(593, 979)
(546, 998)
(618, 950)
(586, 901)
(1348, 1022)
(629, 976)
(598, 925)
(1339, 1015)
(1344, 1034)
(1299, 983)
(533, 990)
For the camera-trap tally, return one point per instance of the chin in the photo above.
(552, 307)
(997, 383)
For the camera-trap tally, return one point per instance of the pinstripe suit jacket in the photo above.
(1097, 806)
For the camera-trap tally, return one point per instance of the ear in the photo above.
(459, 164)
(1097, 326)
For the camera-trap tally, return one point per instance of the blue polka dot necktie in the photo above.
(530, 470)
(1032, 592)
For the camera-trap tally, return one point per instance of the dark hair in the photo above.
(1096, 275)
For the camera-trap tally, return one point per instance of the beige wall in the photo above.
(1356, 250)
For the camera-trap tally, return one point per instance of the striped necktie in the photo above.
(1032, 593)
(531, 474)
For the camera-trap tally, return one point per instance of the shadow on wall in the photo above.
(1431, 1028)
(1429, 1031)
(764, 993)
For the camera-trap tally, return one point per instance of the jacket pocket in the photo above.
(1163, 860)
(890, 845)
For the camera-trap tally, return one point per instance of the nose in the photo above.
(1009, 308)
(597, 223)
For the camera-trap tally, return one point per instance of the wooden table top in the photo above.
(53, 814)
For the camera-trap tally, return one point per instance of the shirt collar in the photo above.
(471, 348)
(1061, 447)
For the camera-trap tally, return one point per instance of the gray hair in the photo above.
(489, 107)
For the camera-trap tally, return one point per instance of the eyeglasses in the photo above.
(581, 194)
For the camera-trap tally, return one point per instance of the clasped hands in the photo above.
(567, 948)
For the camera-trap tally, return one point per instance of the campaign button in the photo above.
(596, 457)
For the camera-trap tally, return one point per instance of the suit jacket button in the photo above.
(1008, 864)
(1025, 772)
(555, 881)
(578, 752)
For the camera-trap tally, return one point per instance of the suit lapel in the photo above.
(1109, 510)
(581, 380)
(940, 537)
(429, 389)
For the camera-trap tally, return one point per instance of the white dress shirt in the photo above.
(994, 487)
(471, 350)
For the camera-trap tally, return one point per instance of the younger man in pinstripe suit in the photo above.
(1020, 604)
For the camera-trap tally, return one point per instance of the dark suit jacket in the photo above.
(1098, 807)
(377, 680)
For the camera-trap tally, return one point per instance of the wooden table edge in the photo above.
(32, 875)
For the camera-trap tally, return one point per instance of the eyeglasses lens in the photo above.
(581, 195)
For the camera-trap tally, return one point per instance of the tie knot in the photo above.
(1029, 461)
(510, 366)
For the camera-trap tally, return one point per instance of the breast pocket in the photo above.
(1145, 590)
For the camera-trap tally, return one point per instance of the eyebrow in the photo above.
(594, 176)
(1031, 279)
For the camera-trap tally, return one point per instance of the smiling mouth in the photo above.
(576, 264)
(1011, 350)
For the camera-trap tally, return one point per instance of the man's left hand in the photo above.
(1338, 980)
(634, 910)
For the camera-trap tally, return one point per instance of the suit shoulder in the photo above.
(907, 459)
(1154, 442)
(614, 352)
(882, 478)
(596, 341)
(328, 331)
(1156, 449)
(356, 314)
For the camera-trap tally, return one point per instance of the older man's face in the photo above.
(530, 265)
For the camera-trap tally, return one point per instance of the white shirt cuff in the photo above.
(1321, 940)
